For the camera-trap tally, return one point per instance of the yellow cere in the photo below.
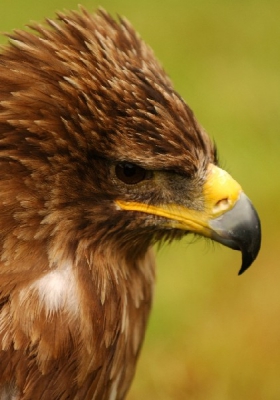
(220, 191)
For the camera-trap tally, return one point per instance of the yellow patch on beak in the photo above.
(220, 192)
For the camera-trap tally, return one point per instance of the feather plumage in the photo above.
(77, 97)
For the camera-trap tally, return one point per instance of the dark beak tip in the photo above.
(240, 272)
(243, 268)
(248, 257)
(246, 263)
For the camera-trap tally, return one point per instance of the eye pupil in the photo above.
(129, 173)
(129, 170)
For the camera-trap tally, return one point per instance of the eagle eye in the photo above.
(129, 173)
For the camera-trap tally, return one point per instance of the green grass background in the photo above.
(212, 335)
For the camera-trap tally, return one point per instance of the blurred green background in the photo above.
(212, 335)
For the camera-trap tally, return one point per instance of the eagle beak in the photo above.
(239, 229)
(236, 223)
(227, 217)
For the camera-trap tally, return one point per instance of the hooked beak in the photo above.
(239, 229)
(228, 216)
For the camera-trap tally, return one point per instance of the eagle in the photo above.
(100, 158)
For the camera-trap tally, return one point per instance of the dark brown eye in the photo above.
(130, 173)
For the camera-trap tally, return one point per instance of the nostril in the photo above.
(221, 205)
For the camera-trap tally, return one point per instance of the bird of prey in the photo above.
(100, 158)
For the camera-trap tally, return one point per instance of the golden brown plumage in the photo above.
(99, 159)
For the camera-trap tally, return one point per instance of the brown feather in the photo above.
(77, 276)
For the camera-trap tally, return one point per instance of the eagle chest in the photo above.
(78, 331)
